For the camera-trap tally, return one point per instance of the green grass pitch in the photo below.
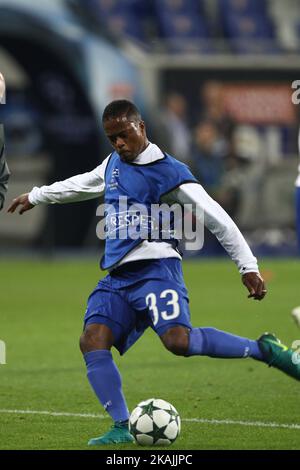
(224, 404)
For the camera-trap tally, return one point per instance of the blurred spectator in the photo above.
(209, 156)
(217, 166)
(212, 100)
(213, 111)
(175, 122)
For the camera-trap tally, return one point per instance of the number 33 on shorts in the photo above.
(164, 306)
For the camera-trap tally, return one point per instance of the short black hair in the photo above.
(121, 107)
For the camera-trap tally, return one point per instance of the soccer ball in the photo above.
(154, 422)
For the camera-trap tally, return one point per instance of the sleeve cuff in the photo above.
(32, 196)
(249, 268)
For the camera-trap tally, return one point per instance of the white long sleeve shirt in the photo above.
(92, 185)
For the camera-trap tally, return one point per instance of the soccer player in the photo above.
(145, 285)
(4, 172)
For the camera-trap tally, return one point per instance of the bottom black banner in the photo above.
(139, 458)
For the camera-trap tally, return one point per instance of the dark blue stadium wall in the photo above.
(69, 98)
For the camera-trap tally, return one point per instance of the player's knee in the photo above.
(95, 337)
(88, 341)
(83, 343)
(176, 340)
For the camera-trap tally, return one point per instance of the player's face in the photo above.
(127, 137)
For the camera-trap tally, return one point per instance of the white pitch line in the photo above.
(54, 413)
(258, 424)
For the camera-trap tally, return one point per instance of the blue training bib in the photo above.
(130, 191)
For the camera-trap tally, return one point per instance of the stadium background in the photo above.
(214, 82)
(213, 79)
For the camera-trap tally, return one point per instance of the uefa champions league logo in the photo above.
(2, 352)
(113, 184)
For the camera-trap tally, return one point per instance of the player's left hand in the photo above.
(255, 285)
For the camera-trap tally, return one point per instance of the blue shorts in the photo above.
(138, 295)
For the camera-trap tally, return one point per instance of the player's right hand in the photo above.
(255, 285)
(23, 201)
